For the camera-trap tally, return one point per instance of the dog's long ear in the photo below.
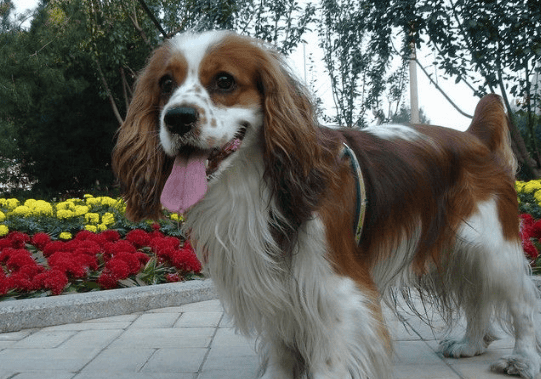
(296, 166)
(139, 161)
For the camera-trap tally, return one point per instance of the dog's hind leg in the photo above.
(519, 293)
(489, 276)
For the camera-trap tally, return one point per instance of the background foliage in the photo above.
(66, 82)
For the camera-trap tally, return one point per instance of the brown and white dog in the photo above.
(219, 129)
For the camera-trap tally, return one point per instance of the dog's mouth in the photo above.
(219, 155)
(193, 168)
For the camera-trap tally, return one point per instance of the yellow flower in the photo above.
(64, 214)
(22, 210)
(41, 208)
(12, 203)
(537, 197)
(519, 186)
(91, 228)
(4, 230)
(2, 216)
(91, 201)
(65, 236)
(176, 217)
(29, 203)
(87, 195)
(64, 205)
(81, 210)
(102, 227)
(108, 201)
(108, 218)
(531, 186)
(103, 200)
(92, 218)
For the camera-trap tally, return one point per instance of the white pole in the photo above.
(304, 60)
(414, 98)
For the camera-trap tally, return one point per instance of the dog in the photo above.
(305, 229)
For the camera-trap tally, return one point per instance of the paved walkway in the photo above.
(195, 341)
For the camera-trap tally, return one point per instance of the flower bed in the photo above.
(82, 245)
(529, 197)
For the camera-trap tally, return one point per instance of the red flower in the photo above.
(107, 281)
(156, 234)
(40, 240)
(142, 257)
(18, 259)
(55, 280)
(18, 239)
(138, 238)
(130, 259)
(186, 260)
(31, 270)
(172, 278)
(5, 254)
(69, 263)
(110, 235)
(117, 268)
(54, 247)
(164, 245)
(84, 235)
(3, 284)
(4, 243)
(530, 249)
(93, 237)
(19, 282)
(535, 230)
(526, 219)
(87, 247)
(117, 247)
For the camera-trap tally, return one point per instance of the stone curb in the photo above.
(66, 309)
(49, 311)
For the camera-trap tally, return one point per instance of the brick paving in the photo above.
(196, 341)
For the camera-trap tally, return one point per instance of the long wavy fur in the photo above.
(298, 165)
(139, 162)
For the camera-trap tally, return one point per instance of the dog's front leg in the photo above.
(278, 362)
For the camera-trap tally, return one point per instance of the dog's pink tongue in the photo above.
(187, 183)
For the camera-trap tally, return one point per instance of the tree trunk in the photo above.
(109, 94)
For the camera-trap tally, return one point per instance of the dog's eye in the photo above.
(167, 85)
(225, 82)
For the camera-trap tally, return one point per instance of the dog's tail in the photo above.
(490, 125)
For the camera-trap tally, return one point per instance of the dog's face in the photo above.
(202, 99)
(209, 100)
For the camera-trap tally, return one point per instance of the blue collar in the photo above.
(361, 200)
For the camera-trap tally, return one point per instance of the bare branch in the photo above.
(153, 18)
(109, 93)
(442, 91)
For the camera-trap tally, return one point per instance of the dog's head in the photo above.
(200, 100)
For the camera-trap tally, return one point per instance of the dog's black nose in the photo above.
(181, 120)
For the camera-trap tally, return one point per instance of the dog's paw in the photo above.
(516, 365)
(461, 348)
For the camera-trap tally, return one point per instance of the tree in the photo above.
(403, 116)
(65, 84)
(498, 42)
(121, 34)
(362, 81)
(61, 130)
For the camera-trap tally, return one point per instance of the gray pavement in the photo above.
(196, 341)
